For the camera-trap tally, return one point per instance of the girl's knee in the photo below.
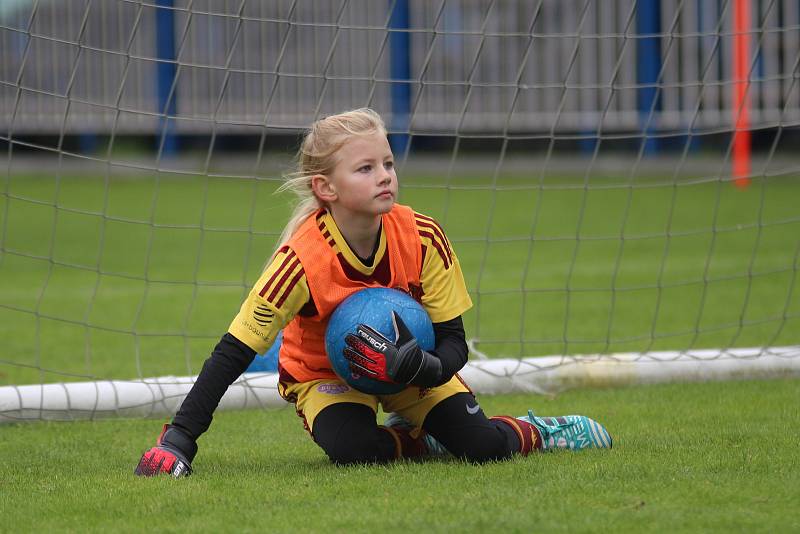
(482, 451)
(349, 434)
(347, 451)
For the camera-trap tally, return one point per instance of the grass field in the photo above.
(717, 457)
(138, 275)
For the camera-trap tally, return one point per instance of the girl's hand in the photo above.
(372, 355)
(172, 455)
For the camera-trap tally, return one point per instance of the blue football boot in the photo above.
(571, 432)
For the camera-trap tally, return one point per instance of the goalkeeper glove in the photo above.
(371, 354)
(173, 454)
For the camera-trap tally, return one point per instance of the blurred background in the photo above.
(220, 76)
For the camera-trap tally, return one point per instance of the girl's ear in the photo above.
(323, 188)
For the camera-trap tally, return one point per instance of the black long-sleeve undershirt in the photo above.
(451, 347)
(230, 358)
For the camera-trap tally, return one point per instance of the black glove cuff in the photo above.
(430, 372)
(176, 441)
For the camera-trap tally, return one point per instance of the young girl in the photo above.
(348, 233)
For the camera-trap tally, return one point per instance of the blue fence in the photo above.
(432, 68)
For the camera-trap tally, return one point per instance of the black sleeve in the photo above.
(451, 347)
(228, 361)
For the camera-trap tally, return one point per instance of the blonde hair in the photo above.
(317, 155)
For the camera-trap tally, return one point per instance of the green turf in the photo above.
(137, 275)
(715, 457)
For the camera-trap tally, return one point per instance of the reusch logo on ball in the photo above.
(378, 345)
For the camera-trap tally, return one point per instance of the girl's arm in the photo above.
(227, 362)
(451, 347)
(176, 447)
(254, 329)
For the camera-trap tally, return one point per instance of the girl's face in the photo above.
(364, 178)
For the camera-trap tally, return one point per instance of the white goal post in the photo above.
(162, 396)
(618, 179)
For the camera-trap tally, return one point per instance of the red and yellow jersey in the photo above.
(316, 270)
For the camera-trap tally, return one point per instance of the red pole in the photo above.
(741, 104)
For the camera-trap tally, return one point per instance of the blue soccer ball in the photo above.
(373, 306)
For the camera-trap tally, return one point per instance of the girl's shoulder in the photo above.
(433, 237)
(427, 223)
(421, 220)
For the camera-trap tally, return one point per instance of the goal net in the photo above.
(619, 180)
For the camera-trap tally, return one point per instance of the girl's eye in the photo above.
(389, 164)
(365, 168)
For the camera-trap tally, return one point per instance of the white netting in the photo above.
(581, 156)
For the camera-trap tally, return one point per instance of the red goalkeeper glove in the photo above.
(371, 354)
(173, 454)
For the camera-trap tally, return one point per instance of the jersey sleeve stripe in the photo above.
(281, 283)
(289, 288)
(420, 218)
(427, 222)
(440, 245)
(289, 257)
(438, 248)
